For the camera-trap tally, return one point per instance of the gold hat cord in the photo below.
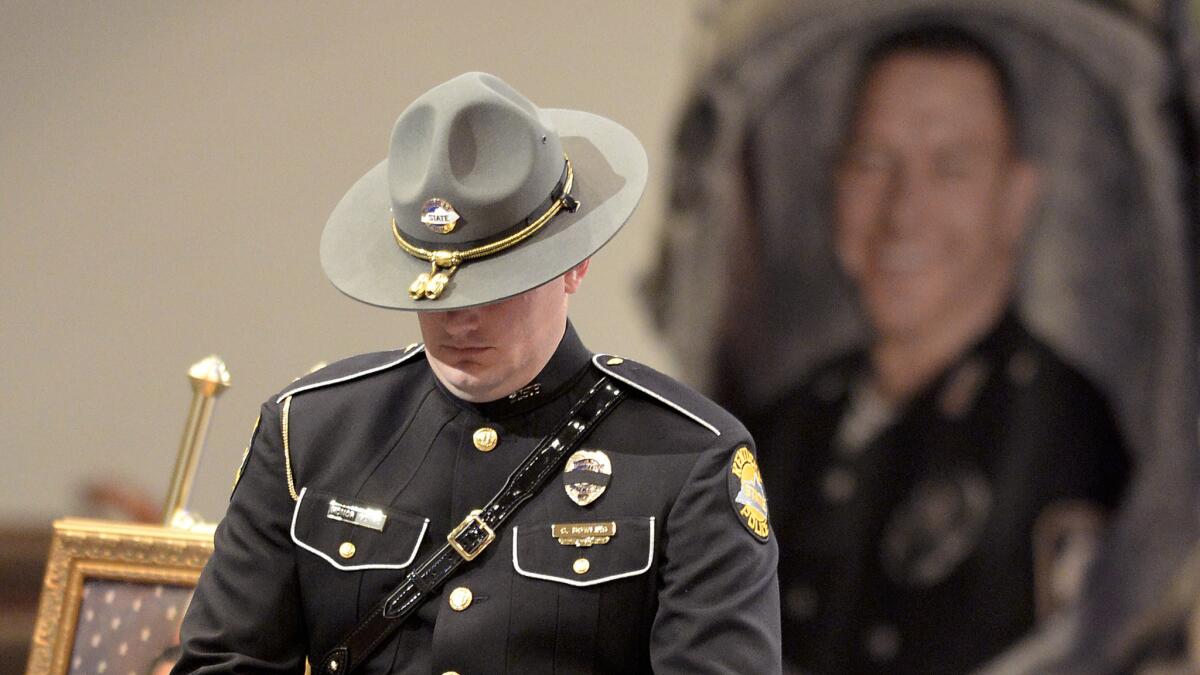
(444, 263)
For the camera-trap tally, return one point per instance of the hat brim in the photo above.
(361, 257)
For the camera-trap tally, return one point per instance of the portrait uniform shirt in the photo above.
(911, 549)
(683, 586)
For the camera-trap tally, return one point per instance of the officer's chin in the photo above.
(468, 384)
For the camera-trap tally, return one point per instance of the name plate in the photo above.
(362, 516)
(583, 534)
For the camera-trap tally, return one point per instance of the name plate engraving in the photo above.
(583, 534)
(361, 516)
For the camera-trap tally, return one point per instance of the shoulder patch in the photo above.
(351, 369)
(237, 477)
(746, 493)
(626, 371)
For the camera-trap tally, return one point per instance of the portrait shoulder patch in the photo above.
(746, 493)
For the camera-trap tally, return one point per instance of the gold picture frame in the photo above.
(120, 560)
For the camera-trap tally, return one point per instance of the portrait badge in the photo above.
(586, 476)
(439, 215)
(747, 495)
(937, 527)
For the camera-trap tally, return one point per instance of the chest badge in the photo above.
(586, 476)
(938, 526)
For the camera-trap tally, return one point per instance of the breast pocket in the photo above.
(353, 536)
(584, 553)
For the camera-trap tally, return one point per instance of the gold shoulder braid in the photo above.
(287, 451)
(429, 285)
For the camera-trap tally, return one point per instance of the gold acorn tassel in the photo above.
(417, 290)
(429, 285)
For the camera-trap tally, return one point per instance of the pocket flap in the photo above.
(351, 535)
(537, 553)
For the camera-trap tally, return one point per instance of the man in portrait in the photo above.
(917, 472)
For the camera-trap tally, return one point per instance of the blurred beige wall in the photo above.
(165, 172)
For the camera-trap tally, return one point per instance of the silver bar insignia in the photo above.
(362, 516)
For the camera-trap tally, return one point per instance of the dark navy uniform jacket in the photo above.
(687, 584)
(910, 549)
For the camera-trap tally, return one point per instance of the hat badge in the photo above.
(586, 476)
(439, 215)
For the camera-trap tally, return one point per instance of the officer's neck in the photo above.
(902, 365)
(518, 368)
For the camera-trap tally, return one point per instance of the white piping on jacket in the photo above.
(589, 582)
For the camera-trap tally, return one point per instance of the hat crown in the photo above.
(480, 146)
(476, 203)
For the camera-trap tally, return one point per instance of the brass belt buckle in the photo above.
(452, 538)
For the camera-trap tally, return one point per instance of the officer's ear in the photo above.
(574, 276)
(1020, 198)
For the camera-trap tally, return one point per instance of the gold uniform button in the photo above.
(460, 598)
(347, 549)
(450, 672)
(581, 566)
(615, 361)
(485, 439)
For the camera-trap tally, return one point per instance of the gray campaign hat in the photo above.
(483, 196)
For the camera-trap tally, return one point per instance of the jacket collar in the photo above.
(568, 362)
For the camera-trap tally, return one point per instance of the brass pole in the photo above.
(209, 378)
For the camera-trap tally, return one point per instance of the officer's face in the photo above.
(930, 197)
(487, 352)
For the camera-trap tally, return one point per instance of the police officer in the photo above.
(647, 549)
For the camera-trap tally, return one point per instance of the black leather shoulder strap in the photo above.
(466, 541)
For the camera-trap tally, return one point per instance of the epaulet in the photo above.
(351, 369)
(656, 385)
